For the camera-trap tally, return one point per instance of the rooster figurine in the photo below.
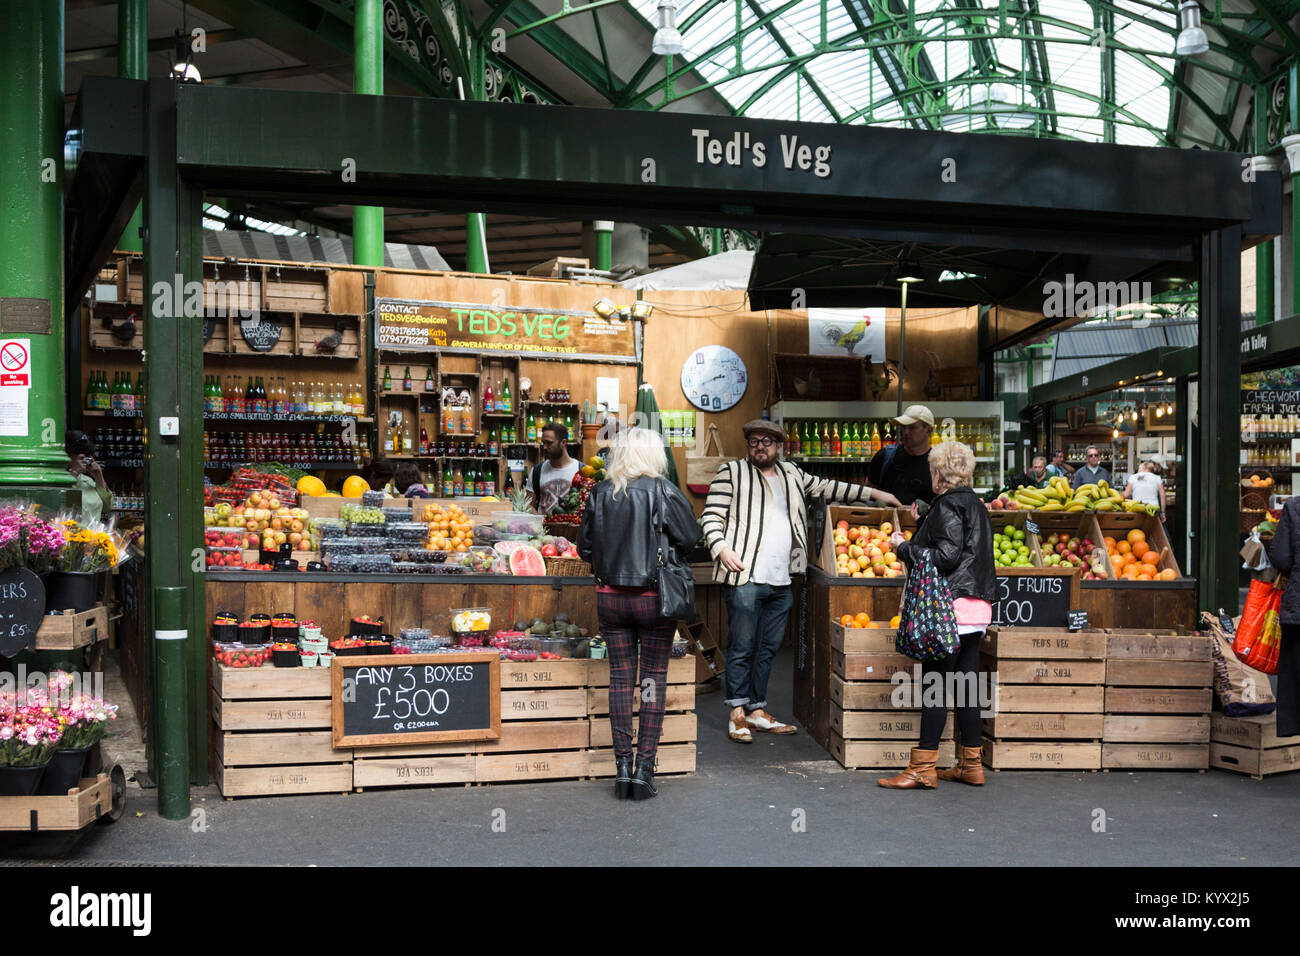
(880, 378)
(123, 331)
(332, 341)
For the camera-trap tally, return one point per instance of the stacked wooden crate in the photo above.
(1049, 698)
(1251, 745)
(868, 728)
(272, 732)
(676, 753)
(1158, 700)
(544, 736)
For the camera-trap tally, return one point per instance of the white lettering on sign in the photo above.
(741, 147)
(1257, 342)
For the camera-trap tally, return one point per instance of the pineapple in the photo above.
(521, 499)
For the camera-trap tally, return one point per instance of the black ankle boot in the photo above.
(622, 777)
(643, 782)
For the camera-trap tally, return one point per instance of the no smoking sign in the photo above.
(15, 364)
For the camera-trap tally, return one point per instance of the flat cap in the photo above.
(761, 426)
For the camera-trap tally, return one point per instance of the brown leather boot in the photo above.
(919, 772)
(969, 767)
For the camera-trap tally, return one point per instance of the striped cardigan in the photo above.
(733, 513)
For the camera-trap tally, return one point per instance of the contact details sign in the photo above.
(474, 328)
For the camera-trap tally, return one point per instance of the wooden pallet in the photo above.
(681, 670)
(1169, 645)
(882, 754)
(294, 747)
(1250, 745)
(1158, 700)
(67, 632)
(544, 704)
(92, 799)
(1041, 755)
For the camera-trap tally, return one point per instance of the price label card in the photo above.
(1078, 620)
(1031, 527)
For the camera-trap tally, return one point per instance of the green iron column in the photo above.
(476, 255)
(133, 64)
(32, 462)
(604, 229)
(368, 77)
(1292, 146)
(1219, 398)
(715, 241)
(1265, 277)
(173, 262)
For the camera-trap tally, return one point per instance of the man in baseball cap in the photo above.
(904, 469)
(755, 526)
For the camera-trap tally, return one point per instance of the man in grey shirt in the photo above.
(1091, 472)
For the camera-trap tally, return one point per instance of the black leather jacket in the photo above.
(617, 534)
(959, 534)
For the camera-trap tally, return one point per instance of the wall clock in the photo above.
(714, 378)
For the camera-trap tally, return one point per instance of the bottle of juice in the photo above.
(448, 482)
(489, 399)
(876, 443)
(506, 405)
(837, 440)
(458, 482)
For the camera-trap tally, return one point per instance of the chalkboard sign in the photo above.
(1078, 620)
(260, 333)
(1225, 622)
(22, 604)
(385, 700)
(1031, 527)
(1032, 600)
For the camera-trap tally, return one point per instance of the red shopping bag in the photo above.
(1261, 650)
(1252, 615)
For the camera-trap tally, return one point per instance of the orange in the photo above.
(895, 620)
(1146, 576)
(1151, 559)
(1110, 543)
(846, 620)
(1168, 574)
(862, 619)
(1123, 547)
(1140, 548)
(1137, 534)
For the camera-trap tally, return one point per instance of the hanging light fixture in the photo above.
(1160, 411)
(1191, 39)
(667, 39)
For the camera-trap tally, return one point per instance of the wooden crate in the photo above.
(544, 674)
(277, 715)
(862, 640)
(678, 728)
(1148, 729)
(863, 695)
(422, 770)
(1027, 671)
(1041, 755)
(882, 754)
(1001, 521)
(1037, 643)
(1149, 756)
(1049, 699)
(269, 682)
(871, 667)
(1250, 745)
(92, 799)
(1159, 673)
(540, 765)
(256, 749)
(881, 725)
(1117, 525)
(67, 632)
(296, 290)
(681, 670)
(1044, 726)
(855, 515)
(1137, 644)
(281, 780)
(311, 327)
(670, 760)
(679, 697)
(543, 704)
(1159, 700)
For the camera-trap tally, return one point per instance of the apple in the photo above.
(878, 569)
(862, 541)
(996, 504)
(842, 525)
(304, 546)
(295, 525)
(855, 551)
(294, 538)
(886, 528)
(223, 508)
(841, 549)
(1011, 505)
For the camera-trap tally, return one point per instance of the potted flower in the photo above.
(84, 722)
(29, 734)
(87, 553)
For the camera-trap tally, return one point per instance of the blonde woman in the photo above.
(959, 535)
(619, 536)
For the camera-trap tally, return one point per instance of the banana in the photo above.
(1052, 506)
(1032, 495)
(1090, 487)
(1103, 484)
(1106, 505)
(1075, 508)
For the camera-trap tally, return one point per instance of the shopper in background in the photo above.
(902, 469)
(1147, 486)
(1284, 552)
(551, 478)
(1038, 473)
(1091, 472)
(959, 534)
(407, 482)
(1058, 468)
(96, 499)
(754, 524)
(619, 537)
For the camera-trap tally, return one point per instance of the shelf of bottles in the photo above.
(846, 446)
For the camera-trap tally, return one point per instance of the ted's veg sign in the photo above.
(418, 325)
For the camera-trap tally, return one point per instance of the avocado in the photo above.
(537, 620)
(580, 650)
(520, 626)
(541, 627)
(561, 618)
(573, 631)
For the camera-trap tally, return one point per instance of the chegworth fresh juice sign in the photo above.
(420, 325)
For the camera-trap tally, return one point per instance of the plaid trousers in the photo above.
(630, 624)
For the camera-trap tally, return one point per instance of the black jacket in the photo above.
(1283, 551)
(959, 534)
(617, 534)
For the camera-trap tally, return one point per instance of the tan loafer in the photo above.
(738, 730)
(762, 720)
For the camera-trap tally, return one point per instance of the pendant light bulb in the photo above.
(667, 39)
(1191, 39)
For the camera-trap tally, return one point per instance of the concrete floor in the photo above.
(743, 806)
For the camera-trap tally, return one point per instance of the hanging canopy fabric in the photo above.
(647, 407)
(727, 270)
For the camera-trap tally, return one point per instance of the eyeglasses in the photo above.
(1094, 455)
(762, 442)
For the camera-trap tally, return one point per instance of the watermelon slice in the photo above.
(527, 561)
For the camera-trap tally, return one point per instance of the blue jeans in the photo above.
(756, 616)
